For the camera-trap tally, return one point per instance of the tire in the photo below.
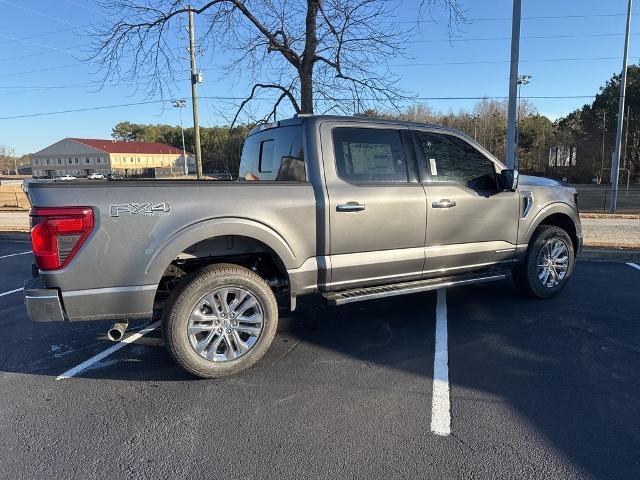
(526, 276)
(197, 305)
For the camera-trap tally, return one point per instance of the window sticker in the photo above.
(432, 165)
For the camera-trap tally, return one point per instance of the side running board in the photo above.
(381, 291)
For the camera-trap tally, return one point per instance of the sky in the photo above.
(570, 47)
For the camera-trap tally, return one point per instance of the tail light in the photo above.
(58, 233)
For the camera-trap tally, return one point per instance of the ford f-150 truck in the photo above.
(350, 208)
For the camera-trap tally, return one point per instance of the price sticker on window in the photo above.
(432, 166)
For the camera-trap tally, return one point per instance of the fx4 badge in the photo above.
(146, 209)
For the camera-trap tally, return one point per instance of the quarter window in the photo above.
(452, 160)
(274, 154)
(266, 156)
(369, 155)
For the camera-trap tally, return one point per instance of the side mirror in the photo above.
(509, 179)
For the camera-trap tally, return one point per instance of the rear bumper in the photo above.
(43, 304)
(117, 303)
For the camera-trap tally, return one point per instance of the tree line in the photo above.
(577, 147)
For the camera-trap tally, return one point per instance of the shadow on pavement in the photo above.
(567, 365)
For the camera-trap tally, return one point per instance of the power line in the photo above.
(76, 4)
(37, 44)
(150, 102)
(533, 17)
(86, 109)
(532, 37)
(45, 34)
(42, 14)
(479, 62)
(47, 69)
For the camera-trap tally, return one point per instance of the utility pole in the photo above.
(615, 164)
(626, 138)
(196, 77)
(180, 104)
(512, 160)
(604, 131)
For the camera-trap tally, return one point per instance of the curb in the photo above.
(609, 255)
(25, 236)
(608, 216)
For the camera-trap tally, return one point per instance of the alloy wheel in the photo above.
(225, 324)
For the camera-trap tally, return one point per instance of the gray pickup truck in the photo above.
(350, 208)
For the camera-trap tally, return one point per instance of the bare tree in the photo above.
(317, 55)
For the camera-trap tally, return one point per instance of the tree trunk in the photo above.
(306, 66)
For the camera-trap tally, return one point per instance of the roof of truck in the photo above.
(300, 118)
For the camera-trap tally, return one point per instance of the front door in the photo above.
(472, 223)
(376, 206)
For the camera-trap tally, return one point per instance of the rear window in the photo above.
(274, 154)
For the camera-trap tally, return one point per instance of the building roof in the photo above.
(117, 146)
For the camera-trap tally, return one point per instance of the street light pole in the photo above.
(180, 104)
(615, 164)
(196, 77)
(522, 80)
(513, 85)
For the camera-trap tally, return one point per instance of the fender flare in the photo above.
(547, 211)
(217, 227)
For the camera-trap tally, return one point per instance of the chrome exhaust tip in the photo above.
(116, 332)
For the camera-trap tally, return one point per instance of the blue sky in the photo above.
(579, 29)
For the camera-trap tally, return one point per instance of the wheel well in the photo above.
(564, 222)
(238, 250)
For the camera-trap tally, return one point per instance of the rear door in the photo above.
(471, 222)
(376, 205)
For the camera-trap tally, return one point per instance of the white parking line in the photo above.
(440, 405)
(102, 355)
(15, 254)
(634, 265)
(11, 291)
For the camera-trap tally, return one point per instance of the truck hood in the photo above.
(538, 181)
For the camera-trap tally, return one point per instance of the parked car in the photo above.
(66, 177)
(95, 176)
(351, 208)
(114, 176)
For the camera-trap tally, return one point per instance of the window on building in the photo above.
(98, 159)
(35, 162)
(47, 161)
(87, 160)
(369, 155)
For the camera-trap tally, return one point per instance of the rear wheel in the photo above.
(548, 263)
(221, 320)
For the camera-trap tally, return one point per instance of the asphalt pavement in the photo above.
(537, 389)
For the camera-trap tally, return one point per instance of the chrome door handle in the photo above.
(350, 207)
(444, 203)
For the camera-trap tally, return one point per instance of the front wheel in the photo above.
(221, 320)
(548, 264)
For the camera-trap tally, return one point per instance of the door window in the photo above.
(369, 155)
(450, 159)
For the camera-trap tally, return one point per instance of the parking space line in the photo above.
(15, 254)
(440, 405)
(102, 355)
(634, 265)
(11, 291)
